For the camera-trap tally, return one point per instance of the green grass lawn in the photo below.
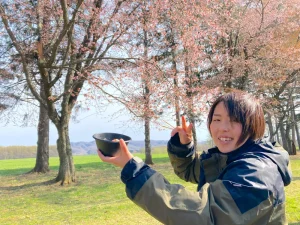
(98, 196)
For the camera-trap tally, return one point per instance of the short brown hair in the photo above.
(245, 109)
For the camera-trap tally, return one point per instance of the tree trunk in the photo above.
(293, 147)
(66, 173)
(283, 135)
(277, 128)
(175, 82)
(42, 155)
(192, 120)
(177, 111)
(288, 139)
(148, 155)
(190, 94)
(270, 125)
(177, 108)
(298, 135)
(293, 128)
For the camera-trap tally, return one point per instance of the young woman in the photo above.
(240, 181)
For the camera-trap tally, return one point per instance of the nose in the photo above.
(225, 126)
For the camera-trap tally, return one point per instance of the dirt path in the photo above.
(295, 156)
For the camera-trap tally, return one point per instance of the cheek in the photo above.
(238, 130)
(212, 130)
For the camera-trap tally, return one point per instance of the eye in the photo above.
(215, 120)
(234, 120)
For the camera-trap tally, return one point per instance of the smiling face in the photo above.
(224, 131)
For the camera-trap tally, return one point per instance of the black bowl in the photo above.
(106, 145)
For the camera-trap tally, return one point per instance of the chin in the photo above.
(226, 149)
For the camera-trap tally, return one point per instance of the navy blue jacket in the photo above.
(245, 186)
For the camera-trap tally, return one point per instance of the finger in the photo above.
(182, 134)
(102, 157)
(123, 145)
(183, 123)
(184, 137)
(189, 129)
(175, 130)
(100, 154)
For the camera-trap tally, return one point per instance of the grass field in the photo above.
(98, 196)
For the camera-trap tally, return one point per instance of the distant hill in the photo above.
(87, 148)
(79, 148)
(18, 152)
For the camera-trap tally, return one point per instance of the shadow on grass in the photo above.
(20, 171)
(78, 166)
(296, 223)
(102, 165)
(14, 188)
(296, 178)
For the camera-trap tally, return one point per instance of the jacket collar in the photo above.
(243, 148)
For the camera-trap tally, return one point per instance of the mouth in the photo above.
(225, 139)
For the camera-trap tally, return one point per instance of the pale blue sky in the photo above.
(89, 124)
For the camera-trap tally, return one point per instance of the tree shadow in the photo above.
(19, 187)
(296, 178)
(21, 171)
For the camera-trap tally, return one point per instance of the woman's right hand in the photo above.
(120, 158)
(185, 132)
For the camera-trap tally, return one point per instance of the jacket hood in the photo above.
(280, 157)
(274, 151)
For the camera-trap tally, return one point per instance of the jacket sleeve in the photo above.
(172, 204)
(184, 160)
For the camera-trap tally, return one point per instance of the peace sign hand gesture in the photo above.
(185, 132)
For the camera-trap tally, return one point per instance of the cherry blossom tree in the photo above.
(60, 44)
(18, 105)
(248, 45)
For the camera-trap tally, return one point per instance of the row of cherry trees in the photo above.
(160, 58)
(198, 50)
